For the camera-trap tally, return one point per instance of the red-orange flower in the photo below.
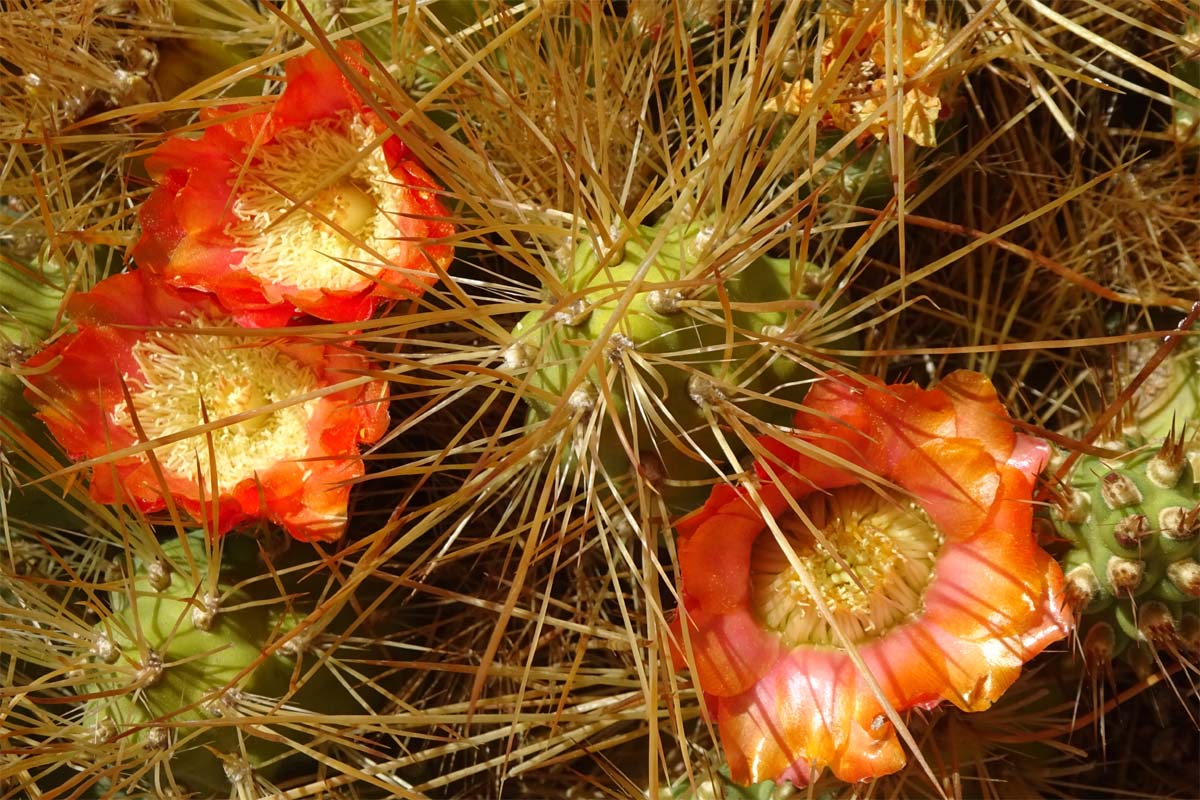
(928, 581)
(295, 207)
(149, 363)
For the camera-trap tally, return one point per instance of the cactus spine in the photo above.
(679, 335)
(188, 649)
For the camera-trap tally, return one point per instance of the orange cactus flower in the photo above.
(295, 207)
(149, 363)
(867, 60)
(819, 598)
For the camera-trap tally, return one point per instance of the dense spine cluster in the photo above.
(652, 336)
(188, 649)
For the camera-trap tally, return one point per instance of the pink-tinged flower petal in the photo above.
(292, 466)
(951, 594)
(304, 204)
(811, 708)
(1029, 455)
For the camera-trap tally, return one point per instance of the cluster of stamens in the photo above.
(871, 570)
(192, 381)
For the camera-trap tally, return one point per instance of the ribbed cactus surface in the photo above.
(190, 652)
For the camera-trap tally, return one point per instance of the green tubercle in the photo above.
(185, 653)
(649, 344)
(1133, 527)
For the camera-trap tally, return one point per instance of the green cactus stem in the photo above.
(187, 652)
(31, 299)
(1133, 527)
(1169, 402)
(1186, 124)
(30, 304)
(676, 343)
(717, 785)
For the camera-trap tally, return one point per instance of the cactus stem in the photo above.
(1125, 574)
(1119, 491)
(1185, 574)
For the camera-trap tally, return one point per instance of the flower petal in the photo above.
(140, 369)
(303, 203)
(955, 481)
(810, 708)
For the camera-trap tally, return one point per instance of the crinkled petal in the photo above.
(978, 412)
(810, 708)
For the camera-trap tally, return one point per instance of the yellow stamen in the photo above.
(889, 544)
(188, 378)
(297, 247)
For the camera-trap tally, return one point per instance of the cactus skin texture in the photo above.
(1133, 524)
(682, 336)
(179, 649)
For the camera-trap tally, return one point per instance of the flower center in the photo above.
(872, 576)
(348, 204)
(295, 246)
(193, 380)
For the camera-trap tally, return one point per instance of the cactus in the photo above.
(189, 648)
(669, 330)
(1133, 525)
(717, 785)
